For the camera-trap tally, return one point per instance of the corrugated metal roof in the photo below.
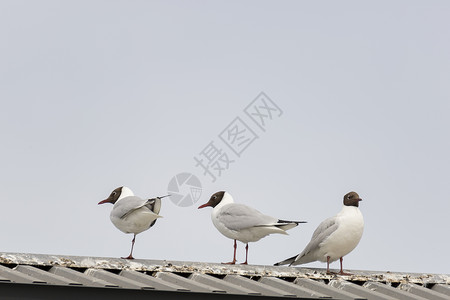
(197, 277)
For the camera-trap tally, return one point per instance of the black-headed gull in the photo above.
(243, 223)
(131, 214)
(335, 237)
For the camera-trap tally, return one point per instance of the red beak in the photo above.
(204, 205)
(104, 201)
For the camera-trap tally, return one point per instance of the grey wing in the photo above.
(127, 205)
(324, 230)
(154, 205)
(237, 216)
(327, 227)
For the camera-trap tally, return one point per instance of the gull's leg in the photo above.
(246, 255)
(342, 270)
(132, 246)
(328, 265)
(234, 255)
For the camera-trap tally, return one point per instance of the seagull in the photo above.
(131, 214)
(243, 223)
(335, 237)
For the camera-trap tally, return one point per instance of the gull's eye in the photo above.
(350, 196)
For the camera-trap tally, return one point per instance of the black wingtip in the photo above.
(281, 263)
(288, 261)
(296, 222)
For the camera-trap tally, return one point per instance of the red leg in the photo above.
(132, 246)
(246, 255)
(342, 270)
(234, 255)
(328, 265)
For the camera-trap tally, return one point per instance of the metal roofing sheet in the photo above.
(291, 288)
(16, 276)
(80, 277)
(45, 276)
(151, 281)
(115, 279)
(220, 284)
(358, 290)
(209, 278)
(423, 292)
(257, 286)
(323, 288)
(188, 284)
(391, 291)
(441, 288)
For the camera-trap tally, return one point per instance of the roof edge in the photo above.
(213, 268)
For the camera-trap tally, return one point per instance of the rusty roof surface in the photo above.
(201, 277)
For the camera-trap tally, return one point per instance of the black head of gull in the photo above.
(352, 199)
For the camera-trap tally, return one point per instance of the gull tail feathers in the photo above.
(288, 261)
(286, 225)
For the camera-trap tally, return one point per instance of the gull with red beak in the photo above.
(335, 237)
(243, 223)
(131, 214)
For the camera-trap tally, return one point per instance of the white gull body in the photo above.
(243, 223)
(131, 214)
(335, 237)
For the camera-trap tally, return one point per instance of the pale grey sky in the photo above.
(99, 94)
